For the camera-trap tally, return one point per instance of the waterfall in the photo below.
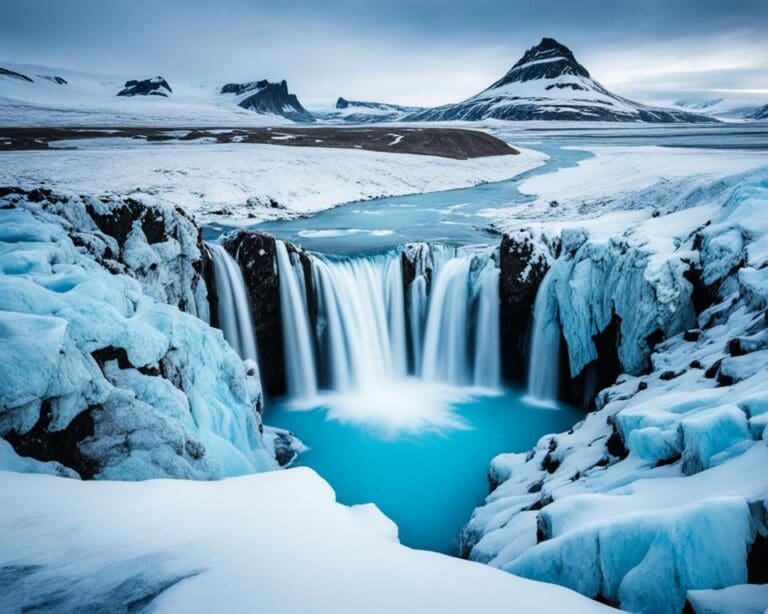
(299, 353)
(365, 318)
(234, 309)
(487, 367)
(544, 355)
(445, 340)
(361, 306)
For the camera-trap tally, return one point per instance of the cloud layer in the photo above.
(416, 52)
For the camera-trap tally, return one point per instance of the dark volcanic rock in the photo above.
(272, 98)
(60, 446)
(522, 269)
(156, 86)
(16, 75)
(547, 60)
(210, 284)
(255, 251)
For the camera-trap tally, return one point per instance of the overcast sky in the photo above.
(415, 52)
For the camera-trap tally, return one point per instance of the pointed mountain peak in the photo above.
(547, 60)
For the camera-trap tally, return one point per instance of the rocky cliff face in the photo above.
(266, 97)
(523, 263)
(547, 83)
(109, 369)
(255, 252)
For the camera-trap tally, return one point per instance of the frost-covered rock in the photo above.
(660, 493)
(102, 373)
(158, 244)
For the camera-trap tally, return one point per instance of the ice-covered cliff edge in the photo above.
(663, 489)
(108, 369)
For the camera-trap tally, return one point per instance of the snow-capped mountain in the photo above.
(266, 97)
(547, 83)
(364, 112)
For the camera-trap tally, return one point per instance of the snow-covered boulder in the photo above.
(659, 494)
(102, 372)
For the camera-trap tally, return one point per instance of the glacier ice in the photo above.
(652, 499)
(104, 372)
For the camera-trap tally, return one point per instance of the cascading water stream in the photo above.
(487, 367)
(300, 361)
(234, 310)
(360, 303)
(544, 356)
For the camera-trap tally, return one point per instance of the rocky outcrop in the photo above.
(255, 252)
(5, 72)
(157, 86)
(523, 265)
(271, 98)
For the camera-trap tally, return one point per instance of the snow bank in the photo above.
(663, 490)
(102, 372)
(275, 542)
(620, 185)
(247, 183)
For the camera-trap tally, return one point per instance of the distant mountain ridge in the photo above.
(364, 111)
(548, 83)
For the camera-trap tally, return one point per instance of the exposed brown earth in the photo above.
(445, 142)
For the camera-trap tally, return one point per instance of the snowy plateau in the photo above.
(560, 346)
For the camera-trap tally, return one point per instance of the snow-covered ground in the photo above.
(620, 185)
(247, 183)
(274, 542)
